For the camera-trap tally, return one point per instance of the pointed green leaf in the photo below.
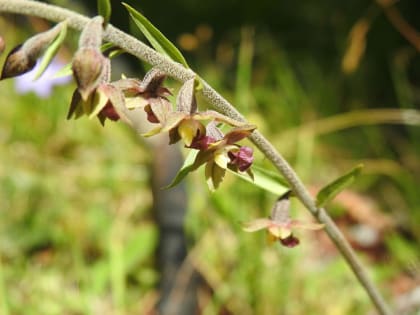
(187, 167)
(52, 50)
(155, 37)
(115, 53)
(110, 50)
(265, 179)
(64, 72)
(331, 190)
(104, 9)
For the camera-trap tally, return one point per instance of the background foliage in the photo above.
(77, 235)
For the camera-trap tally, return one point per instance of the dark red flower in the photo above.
(242, 158)
(109, 112)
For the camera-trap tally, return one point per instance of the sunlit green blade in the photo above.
(52, 50)
(104, 10)
(264, 179)
(186, 168)
(155, 37)
(64, 72)
(334, 188)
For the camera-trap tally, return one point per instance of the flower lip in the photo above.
(109, 112)
(290, 241)
(242, 158)
(202, 142)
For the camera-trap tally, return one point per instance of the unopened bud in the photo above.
(17, 62)
(88, 67)
(23, 58)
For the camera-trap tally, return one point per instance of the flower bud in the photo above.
(88, 65)
(23, 58)
(17, 62)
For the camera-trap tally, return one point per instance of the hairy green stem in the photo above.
(177, 71)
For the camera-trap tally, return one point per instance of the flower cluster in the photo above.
(124, 99)
(96, 96)
(216, 150)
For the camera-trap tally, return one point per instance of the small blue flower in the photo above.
(43, 86)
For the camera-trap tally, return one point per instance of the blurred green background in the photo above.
(332, 84)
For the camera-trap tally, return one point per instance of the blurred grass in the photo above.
(77, 236)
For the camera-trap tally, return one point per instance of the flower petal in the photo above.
(172, 120)
(186, 101)
(100, 99)
(239, 133)
(133, 102)
(256, 225)
(202, 143)
(214, 175)
(152, 81)
(161, 107)
(151, 117)
(279, 230)
(188, 129)
(221, 159)
(296, 224)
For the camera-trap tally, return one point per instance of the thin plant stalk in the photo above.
(177, 71)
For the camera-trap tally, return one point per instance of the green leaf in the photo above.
(104, 9)
(334, 188)
(186, 168)
(113, 51)
(64, 72)
(264, 179)
(52, 50)
(155, 37)
(260, 177)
